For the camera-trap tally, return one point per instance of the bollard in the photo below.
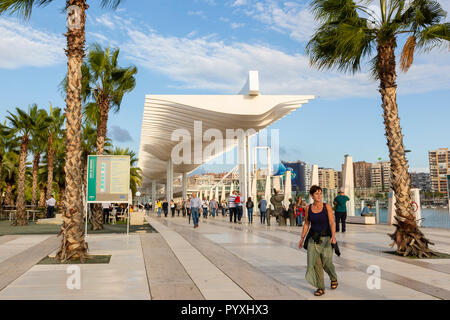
(377, 213)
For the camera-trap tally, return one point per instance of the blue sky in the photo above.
(208, 47)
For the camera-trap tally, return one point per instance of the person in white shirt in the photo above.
(106, 208)
(51, 202)
(205, 208)
(195, 205)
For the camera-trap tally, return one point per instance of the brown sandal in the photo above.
(334, 285)
(319, 292)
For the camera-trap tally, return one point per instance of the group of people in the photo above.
(319, 220)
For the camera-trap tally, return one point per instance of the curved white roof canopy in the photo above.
(164, 114)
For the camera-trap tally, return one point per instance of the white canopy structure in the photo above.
(165, 114)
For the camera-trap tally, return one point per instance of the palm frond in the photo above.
(407, 56)
(21, 7)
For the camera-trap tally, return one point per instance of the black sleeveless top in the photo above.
(319, 221)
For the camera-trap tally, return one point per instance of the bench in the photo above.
(361, 220)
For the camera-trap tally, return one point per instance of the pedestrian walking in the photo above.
(106, 209)
(172, 207)
(239, 206)
(249, 205)
(299, 211)
(165, 207)
(188, 209)
(51, 202)
(319, 242)
(213, 207)
(158, 207)
(232, 206)
(205, 208)
(195, 205)
(263, 209)
(224, 208)
(341, 209)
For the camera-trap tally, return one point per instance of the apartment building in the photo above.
(361, 172)
(439, 169)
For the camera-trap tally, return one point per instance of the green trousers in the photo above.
(320, 258)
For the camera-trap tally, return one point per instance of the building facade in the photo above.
(439, 169)
(361, 171)
(302, 175)
(328, 178)
(421, 181)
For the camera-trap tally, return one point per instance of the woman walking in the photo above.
(319, 242)
(172, 207)
(249, 205)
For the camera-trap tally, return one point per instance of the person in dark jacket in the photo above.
(263, 209)
(165, 207)
(249, 205)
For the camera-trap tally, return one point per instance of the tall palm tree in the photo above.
(73, 244)
(3, 143)
(135, 172)
(104, 85)
(37, 146)
(348, 33)
(10, 174)
(22, 125)
(54, 132)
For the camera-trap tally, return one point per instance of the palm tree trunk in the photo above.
(73, 244)
(41, 197)
(37, 158)
(407, 236)
(62, 197)
(9, 200)
(97, 221)
(50, 165)
(21, 214)
(102, 125)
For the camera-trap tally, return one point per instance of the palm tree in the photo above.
(105, 83)
(348, 33)
(37, 146)
(10, 173)
(135, 172)
(73, 244)
(22, 125)
(54, 131)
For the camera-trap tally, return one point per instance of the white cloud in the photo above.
(285, 17)
(22, 45)
(238, 3)
(199, 13)
(236, 25)
(106, 21)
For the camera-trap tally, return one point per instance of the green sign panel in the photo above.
(108, 179)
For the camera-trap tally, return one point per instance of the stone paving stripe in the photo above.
(390, 276)
(373, 250)
(211, 281)
(258, 285)
(167, 279)
(12, 268)
(5, 239)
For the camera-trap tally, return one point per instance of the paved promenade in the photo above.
(221, 261)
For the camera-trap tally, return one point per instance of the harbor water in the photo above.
(433, 218)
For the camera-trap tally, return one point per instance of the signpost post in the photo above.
(448, 191)
(108, 181)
